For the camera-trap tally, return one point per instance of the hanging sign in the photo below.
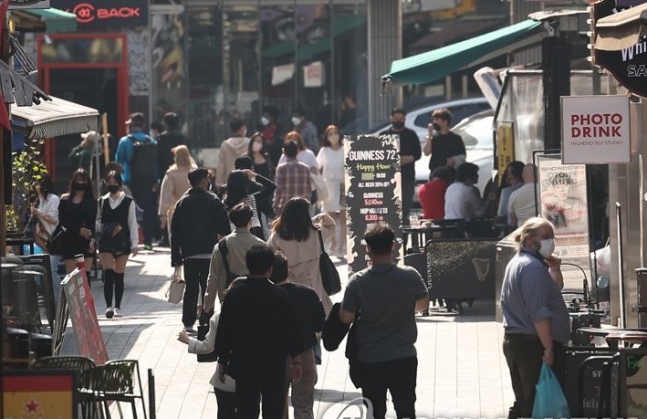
(104, 14)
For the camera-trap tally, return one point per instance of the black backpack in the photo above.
(143, 164)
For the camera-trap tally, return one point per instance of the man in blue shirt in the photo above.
(142, 179)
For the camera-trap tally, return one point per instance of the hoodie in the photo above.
(229, 150)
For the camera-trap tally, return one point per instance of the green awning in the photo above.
(433, 65)
(55, 20)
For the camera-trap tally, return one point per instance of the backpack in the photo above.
(143, 164)
(224, 251)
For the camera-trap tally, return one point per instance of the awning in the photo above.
(455, 31)
(433, 65)
(621, 30)
(49, 20)
(54, 118)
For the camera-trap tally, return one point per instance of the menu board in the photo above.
(373, 191)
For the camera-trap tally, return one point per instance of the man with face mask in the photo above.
(272, 133)
(307, 129)
(410, 152)
(535, 317)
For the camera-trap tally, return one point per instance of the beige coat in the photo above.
(174, 185)
(303, 261)
(231, 149)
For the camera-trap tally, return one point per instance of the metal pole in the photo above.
(621, 276)
(151, 394)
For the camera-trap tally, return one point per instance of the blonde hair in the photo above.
(530, 228)
(183, 157)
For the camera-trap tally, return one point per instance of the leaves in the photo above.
(28, 166)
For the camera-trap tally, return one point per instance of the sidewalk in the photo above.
(461, 373)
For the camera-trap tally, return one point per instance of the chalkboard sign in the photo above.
(373, 191)
(584, 397)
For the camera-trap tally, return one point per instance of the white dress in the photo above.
(332, 162)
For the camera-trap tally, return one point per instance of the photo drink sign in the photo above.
(373, 191)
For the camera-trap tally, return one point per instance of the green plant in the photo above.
(27, 167)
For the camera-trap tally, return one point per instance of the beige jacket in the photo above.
(238, 243)
(174, 185)
(229, 150)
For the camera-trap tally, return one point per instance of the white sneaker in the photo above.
(110, 313)
(117, 312)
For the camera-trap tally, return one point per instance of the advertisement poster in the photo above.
(563, 201)
(504, 148)
(83, 313)
(39, 394)
(373, 191)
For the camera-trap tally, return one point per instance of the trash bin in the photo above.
(41, 345)
(16, 346)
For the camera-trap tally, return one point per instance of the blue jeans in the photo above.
(56, 280)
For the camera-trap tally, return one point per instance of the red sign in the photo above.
(101, 14)
(83, 313)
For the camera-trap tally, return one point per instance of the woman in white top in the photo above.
(46, 215)
(305, 154)
(174, 185)
(117, 223)
(331, 161)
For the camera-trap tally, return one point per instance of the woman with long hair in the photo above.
(297, 235)
(260, 158)
(119, 237)
(239, 185)
(175, 184)
(305, 155)
(77, 213)
(331, 161)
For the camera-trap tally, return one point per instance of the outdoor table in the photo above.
(422, 234)
(614, 336)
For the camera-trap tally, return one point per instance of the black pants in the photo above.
(524, 354)
(267, 385)
(147, 200)
(196, 272)
(397, 376)
(408, 189)
(226, 404)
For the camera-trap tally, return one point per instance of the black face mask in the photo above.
(112, 188)
(76, 186)
(398, 125)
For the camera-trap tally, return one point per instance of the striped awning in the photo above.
(55, 117)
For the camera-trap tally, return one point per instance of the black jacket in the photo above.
(199, 218)
(165, 143)
(334, 331)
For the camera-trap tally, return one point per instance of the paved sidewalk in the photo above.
(461, 374)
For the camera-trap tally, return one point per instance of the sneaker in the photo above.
(148, 247)
(117, 312)
(110, 313)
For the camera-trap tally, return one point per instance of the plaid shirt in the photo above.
(292, 179)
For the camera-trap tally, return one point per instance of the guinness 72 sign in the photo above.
(628, 65)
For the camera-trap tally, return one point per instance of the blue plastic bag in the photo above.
(550, 401)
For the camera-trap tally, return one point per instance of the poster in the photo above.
(373, 192)
(80, 303)
(39, 394)
(563, 201)
(504, 148)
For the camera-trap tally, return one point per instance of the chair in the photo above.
(115, 381)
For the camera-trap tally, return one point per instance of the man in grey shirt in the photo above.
(386, 298)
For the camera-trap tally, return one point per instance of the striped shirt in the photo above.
(292, 180)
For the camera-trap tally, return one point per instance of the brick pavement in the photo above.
(461, 373)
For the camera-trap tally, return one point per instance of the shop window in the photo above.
(95, 51)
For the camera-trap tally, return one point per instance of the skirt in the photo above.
(336, 196)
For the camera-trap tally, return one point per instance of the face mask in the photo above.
(76, 186)
(265, 122)
(398, 125)
(257, 146)
(296, 121)
(333, 138)
(547, 247)
(112, 188)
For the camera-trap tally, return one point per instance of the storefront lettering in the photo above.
(637, 70)
(596, 125)
(86, 13)
(122, 12)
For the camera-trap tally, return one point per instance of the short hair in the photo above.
(116, 176)
(279, 268)
(442, 113)
(197, 175)
(171, 120)
(465, 171)
(137, 119)
(243, 162)
(291, 149)
(379, 238)
(236, 124)
(445, 173)
(398, 110)
(156, 125)
(516, 169)
(529, 229)
(259, 259)
(241, 214)
(272, 111)
(299, 111)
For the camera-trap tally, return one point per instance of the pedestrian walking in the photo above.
(261, 160)
(233, 147)
(292, 178)
(386, 297)
(310, 319)
(256, 333)
(77, 214)
(81, 155)
(239, 189)
(119, 238)
(175, 184)
(199, 221)
(535, 316)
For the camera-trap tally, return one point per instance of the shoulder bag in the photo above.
(329, 275)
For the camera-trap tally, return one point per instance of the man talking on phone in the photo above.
(445, 147)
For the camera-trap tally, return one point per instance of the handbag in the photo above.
(319, 185)
(175, 291)
(329, 275)
(55, 241)
(550, 401)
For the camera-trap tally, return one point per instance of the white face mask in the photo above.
(333, 138)
(265, 122)
(296, 121)
(257, 146)
(547, 247)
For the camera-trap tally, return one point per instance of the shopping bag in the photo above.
(175, 291)
(550, 401)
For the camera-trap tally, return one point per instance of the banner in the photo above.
(39, 394)
(373, 191)
(83, 313)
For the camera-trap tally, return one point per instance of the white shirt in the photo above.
(132, 216)
(332, 162)
(462, 202)
(522, 203)
(305, 156)
(49, 207)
